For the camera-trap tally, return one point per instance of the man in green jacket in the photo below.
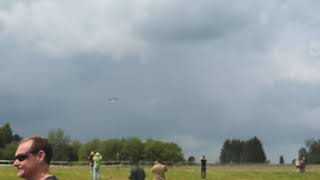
(97, 158)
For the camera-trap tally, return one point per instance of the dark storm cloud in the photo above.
(193, 21)
(193, 72)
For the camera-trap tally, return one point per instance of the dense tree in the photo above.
(225, 154)
(303, 153)
(111, 149)
(74, 150)
(154, 149)
(8, 142)
(86, 148)
(7, 136)
(256, 152)
(191, 159)
(9, 150)
(245, 151)
(281, 160)
(65, 149)
(132, 149)
(311, 152)
(61, 144)
(236, 151)
(172, 152)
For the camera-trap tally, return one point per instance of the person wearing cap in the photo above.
(159, 170)
(32, 159)
(97, 158)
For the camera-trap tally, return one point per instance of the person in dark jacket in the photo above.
(302, 165)
(203, 167)
(90, 160)
(137, 172)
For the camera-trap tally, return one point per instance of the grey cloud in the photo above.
(184, 21)
(200, 72)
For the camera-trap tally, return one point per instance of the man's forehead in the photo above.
(24, 147)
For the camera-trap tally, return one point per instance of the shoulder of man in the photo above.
(51, 178)
(154, 167)
(165, 168)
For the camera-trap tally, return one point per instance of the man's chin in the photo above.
(20, 173)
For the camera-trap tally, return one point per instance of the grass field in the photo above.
(258, 172)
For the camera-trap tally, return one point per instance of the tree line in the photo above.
(237, 151)
(8, 142)
(66, 149)
(311, 151)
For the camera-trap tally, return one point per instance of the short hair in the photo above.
(159, 161)
(40, 143)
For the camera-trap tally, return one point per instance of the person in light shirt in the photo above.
(97, 158)
(158, 170)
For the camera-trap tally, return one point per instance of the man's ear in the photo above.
(41, 155)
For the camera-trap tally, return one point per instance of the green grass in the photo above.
(243, 172)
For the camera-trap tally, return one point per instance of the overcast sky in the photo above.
(195, 72)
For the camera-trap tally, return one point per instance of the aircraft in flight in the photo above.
(113, 99)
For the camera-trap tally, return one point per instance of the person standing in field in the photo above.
(297, 164)
(158, 170)
(32, 159)
(97, 158)
(137, 172)
(302, 165)
(90, 161)
(203, 167)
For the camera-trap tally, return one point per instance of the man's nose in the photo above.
(15, 163)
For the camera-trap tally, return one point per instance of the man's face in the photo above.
(25, 162)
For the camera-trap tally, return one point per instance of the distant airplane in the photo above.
(113, 99)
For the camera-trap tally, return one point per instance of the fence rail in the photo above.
(126, 163)
(85, 163)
